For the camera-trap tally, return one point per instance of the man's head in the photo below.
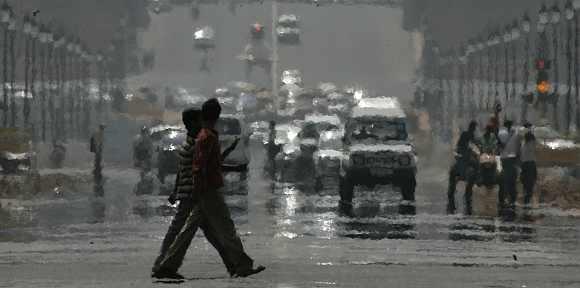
(192, 120)
(210, 112)
(472, 126)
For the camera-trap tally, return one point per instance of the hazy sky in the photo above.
(344, 44)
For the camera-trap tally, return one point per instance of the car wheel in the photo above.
(9, 167)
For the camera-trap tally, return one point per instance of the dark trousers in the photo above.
(508, 183)
(529, 175)
(211, 214)
(184, 209)
(462, 170)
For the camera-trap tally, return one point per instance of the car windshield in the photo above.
(229, 126)
(378, 131)
(313, 130)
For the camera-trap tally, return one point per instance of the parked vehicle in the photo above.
(229, 128)
(16, 152)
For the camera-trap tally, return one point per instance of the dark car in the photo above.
(168, 147)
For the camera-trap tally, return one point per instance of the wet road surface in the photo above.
(75, 240)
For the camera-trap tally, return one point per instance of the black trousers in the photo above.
(508, 183)
(528, 177)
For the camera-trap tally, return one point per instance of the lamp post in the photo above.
(59, 50)
(13, 105)
(43, 39)
(34, 36)
(49, 70)
(570, 17)
(77, 86)
(100, 83)
(555, 21)
(85, 90)
(481, 73)
(5, 13)
(507, 39)
(460, 79)
(515, 35)
(576, 6)
(70, 85)
(27, 29)
(526, 28)
(542, 48)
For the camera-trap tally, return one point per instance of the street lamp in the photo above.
(576, 6)
(569, 15)
(526, 96)
(34, 31)
(43, 39)
(515, 33)
(59, 46)
(555, 21)
(70, 47)
(13, 106)
(507, 39)
(5, 15)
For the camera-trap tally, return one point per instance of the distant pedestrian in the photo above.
(209, 210)
(511, 143)
(529, 172)
(96, 147)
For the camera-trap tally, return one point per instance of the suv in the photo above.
(377, 149)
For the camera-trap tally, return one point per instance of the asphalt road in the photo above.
(77, 241)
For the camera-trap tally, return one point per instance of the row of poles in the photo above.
(495, 69)
(60, 77)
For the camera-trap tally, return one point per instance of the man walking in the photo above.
(208, 208)
(96, 146)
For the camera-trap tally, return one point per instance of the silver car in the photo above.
(230, 127)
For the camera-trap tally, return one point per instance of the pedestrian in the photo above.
(208, 208)
(465, 168)
(96, 147)
(528, 159)
(183, 192)
(143, 150)
(489, 143)
(511, 143)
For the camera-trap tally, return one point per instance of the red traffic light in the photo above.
(540, 64)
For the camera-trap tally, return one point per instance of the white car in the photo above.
(204, 38)
(229, 128)
(287, 29)
(292, 77)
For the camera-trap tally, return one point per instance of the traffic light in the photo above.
(542, 81)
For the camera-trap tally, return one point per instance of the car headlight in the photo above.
(170, 148)
(404, 160)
